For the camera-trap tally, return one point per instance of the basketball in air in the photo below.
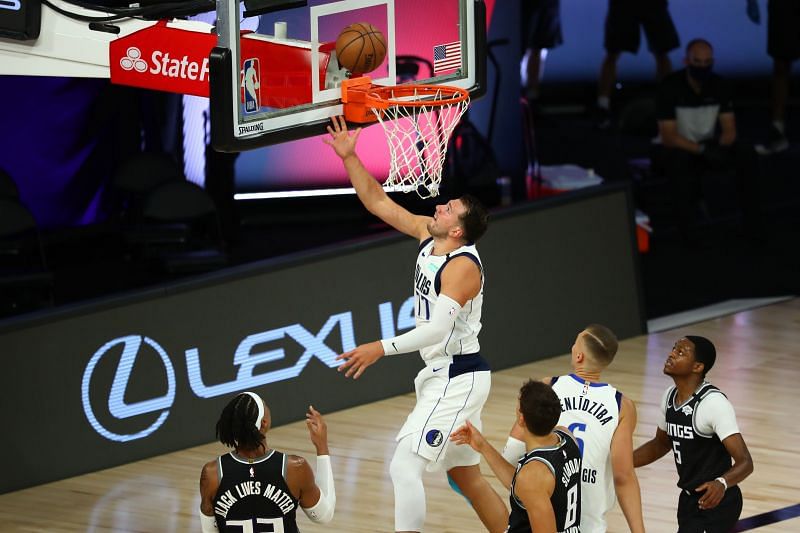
(360, 48)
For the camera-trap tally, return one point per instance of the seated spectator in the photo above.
(690, 105)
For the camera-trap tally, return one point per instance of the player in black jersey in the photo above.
(546, 483)
(699, 426)
(255, 488)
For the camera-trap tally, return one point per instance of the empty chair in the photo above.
(25, 282)
(137, 176)
(8, 187)
(181, 228)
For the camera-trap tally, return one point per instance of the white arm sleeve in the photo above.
(208, 524)
(444, 316)
(715, 415)
(322, 511)
(514, 450)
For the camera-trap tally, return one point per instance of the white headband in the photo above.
(260, 404)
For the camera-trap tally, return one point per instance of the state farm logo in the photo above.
(133, 60)
(162, 64)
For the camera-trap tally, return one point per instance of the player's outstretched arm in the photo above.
(209, 483)
(317, 495)
(534, 488)
(652, 450)
(368, 189)
(461, 281)
(469, 435)
(626, 483)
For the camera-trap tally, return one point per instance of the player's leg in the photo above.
(621, 35)
(662, 37)
(544, 34)
(461, 462)
(783, 45)
(406, 471)
(487, 503)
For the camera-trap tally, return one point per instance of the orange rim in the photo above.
(384, 97)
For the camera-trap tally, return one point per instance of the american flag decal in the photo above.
(446, 57)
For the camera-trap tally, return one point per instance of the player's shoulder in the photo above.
(625, 402)
(713, 396)
(296, 461)
(209, 475)
(535, 471)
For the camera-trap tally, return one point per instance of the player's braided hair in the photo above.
(236, 426)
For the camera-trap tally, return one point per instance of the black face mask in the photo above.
(700, 74)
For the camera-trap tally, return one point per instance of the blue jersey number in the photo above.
(423, 308)
(576, 428)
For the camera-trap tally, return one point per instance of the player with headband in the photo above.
(254, 484)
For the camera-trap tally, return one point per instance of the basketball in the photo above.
(360, 48)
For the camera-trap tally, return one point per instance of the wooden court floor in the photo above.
(758, 367)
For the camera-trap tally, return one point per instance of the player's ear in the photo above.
(698, 367)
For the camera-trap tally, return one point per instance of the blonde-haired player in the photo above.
(602, 420)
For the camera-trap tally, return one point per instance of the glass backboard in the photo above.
(283, 81)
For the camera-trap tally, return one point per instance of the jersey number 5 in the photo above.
(675, 445)
(247, 525)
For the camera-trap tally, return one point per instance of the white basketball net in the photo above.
(418, 138)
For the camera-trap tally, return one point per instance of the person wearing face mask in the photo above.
(697, 134)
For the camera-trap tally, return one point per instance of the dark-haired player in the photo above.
(454, 385)
(699, 426)
(546, 483)
(255, 488)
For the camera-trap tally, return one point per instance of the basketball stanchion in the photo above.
(417, 120)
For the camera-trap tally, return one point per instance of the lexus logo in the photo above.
(132, 344)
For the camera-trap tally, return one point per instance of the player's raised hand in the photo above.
(317, 430)
(468, 434)
(340, 140)
(356, 361)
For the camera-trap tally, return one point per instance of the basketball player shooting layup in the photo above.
(454, 385)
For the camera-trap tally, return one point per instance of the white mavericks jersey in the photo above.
(463, 338)
(591, 412)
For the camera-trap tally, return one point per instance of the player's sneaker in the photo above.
(776, 143)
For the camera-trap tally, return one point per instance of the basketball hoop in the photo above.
(417, 120)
